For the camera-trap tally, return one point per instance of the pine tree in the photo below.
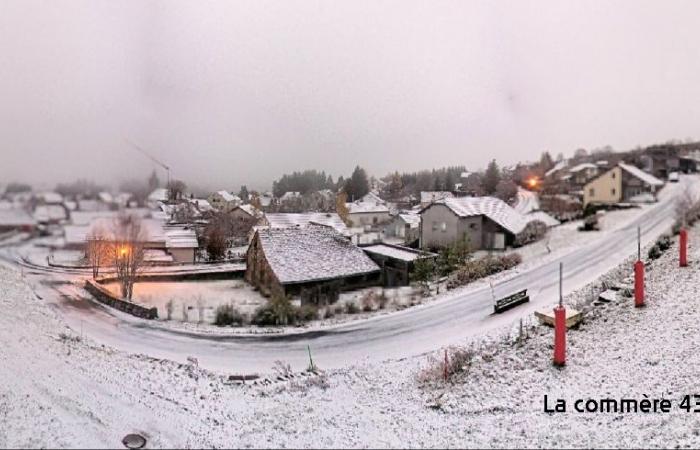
(491, 178)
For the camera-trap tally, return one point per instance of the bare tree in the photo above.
(686, 206)
(128, 251)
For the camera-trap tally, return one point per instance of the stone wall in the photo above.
(103, 295)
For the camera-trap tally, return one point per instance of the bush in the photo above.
(534, 231)
(278, 311)
(654, 252)
(664, 242)
(458, 361)
(351, 308)
(307, 313)
(368, 302)
(473, 270)
(227, 315)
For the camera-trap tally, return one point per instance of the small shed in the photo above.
(396, 262)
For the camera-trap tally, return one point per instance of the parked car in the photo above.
(673, 177)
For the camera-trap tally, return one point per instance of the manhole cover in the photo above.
(134, 441)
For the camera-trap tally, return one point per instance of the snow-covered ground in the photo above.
(61, 390)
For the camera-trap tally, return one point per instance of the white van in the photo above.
(673, 177)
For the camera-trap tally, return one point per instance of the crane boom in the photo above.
(148, 155)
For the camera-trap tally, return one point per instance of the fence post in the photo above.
(639, 274)
(683, 248)
(560, 326)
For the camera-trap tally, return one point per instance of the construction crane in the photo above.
(152, 158)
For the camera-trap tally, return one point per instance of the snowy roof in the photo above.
(557, 167)
(15, 217)
(158, 195)
(45, 213)
(393, 251)
(228, 197)
(251, 210)
(543, 217)
(50, 197)
(465, 174)
(312, 253)
(434, 196)
(642, 175)
(181, 238)
(582, 166)
(413, 220)
(370, 203)
(106, 197)
(291, 220)
(201, 204)
(495, 209)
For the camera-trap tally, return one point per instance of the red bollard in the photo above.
(559, 336)
(684, 248)
(638, 284)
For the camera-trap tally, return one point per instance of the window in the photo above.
(613, 175)
(443, 227)
(472, 226)
(591, 192)
(612, 191)
(435, 226)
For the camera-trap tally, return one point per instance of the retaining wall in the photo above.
(103, 295)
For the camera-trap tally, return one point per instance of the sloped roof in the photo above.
(15, 217)
(227, 196)
(642, 175)
(312, 253)
(44, 213)
(370, 203)
(181, 238)
(582, 166)
(434, 196)
(413, 220)
(495, 209)
(294, 220)
(50, 197)
(557, 167)
(396, 252)
(158, 195)
(251, 210)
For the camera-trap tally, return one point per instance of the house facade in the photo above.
(622, 183)
(485, 222)
(405, 227)
(224, 201)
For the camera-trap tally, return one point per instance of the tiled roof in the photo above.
(491, 207)
(293, 220)
(312, 253)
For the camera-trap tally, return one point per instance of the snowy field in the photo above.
(63, 391)
(195, 301)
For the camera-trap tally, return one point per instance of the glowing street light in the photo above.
(532, 182)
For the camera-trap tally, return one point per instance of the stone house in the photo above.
(285, 261)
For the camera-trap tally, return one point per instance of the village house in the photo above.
(622, 183)
(179, 243)
(224, 201)
(581, 174)
(369, 211)
(485, 222)
(428, 197)
(159, 195)
(404, 227)
(661, 161)
(285, 261)
(16, 219)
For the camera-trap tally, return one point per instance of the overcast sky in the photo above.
(239, 92)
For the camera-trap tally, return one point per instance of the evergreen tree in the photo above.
(491, 178)
(243, 194)
(357, 186)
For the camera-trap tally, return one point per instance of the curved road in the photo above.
(406, 333)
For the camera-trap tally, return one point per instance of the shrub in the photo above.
(654, 252)
(383, 300)
(227, 315)
(368, 301)
(307, 313)
(458, 361)
(533, 231)
(351, 308)
(278, 311)
(664, 242)
(473, 270)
